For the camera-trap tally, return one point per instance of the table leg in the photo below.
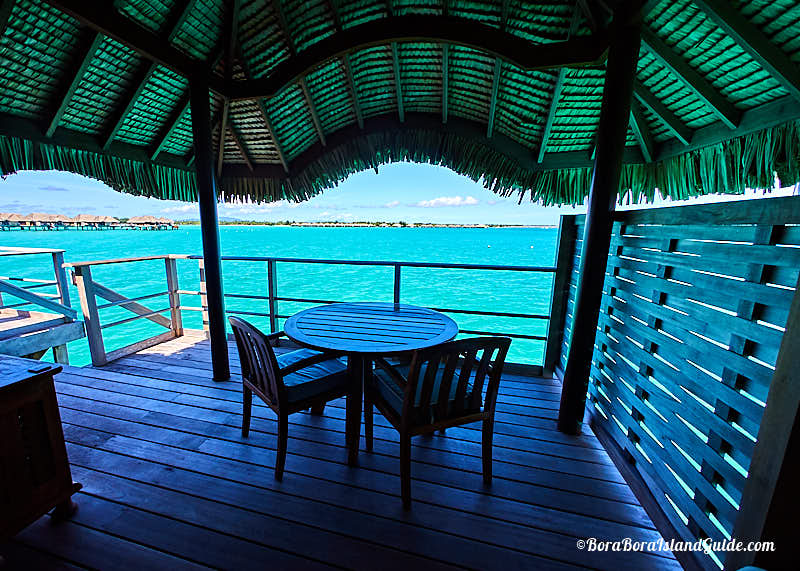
(355, 365)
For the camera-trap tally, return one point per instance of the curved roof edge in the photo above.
(500, 164)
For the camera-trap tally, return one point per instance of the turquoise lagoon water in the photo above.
(513, 292)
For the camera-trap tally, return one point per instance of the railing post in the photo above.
(91, 319)
(397, 268)
(176, 321)
(271, 289)
(61, 278)
(203, 296)
(558, 303)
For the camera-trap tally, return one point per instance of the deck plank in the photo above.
(170, 482)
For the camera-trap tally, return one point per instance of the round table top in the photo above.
(369, 328)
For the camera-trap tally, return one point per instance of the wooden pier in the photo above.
(169, 482)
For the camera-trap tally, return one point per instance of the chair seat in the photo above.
(313, 380)
(392, 393)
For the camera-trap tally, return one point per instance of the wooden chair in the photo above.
(288, 383)
(440, 387)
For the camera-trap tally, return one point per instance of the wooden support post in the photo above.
(768, 510)
(60, 354)
(207, 199)
(175, 318)
(615, 111)
(567, 232)
(91, 319)
(61, 279)
(271, 289)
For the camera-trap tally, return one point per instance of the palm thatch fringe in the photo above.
(752, 161)
(124, 175)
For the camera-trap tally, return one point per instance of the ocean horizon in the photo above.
(484, 290)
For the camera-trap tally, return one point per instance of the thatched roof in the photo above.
(89, 218)
(11, 217)
(143, 220)
(308, 92)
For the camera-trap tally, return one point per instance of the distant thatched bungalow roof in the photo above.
(503, 92)
(142, 220)
(88, 218)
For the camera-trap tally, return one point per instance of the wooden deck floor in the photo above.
(170, 483)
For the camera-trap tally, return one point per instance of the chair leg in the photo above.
(405, 469)
(368, 421)
(488, 432)
(283, 436)
(318, 409)
(247, 405)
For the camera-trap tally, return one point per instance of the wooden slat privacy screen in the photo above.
(695, 303)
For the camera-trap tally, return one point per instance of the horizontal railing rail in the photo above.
(57, 301)
(271, 298)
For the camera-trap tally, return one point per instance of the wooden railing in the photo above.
(57, 301)
(689, 384)
(265, 305)
(90, 290)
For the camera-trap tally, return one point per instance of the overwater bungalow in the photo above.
(662, 406)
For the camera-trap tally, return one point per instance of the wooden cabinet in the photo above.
(34, 471)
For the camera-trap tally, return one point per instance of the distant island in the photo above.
(359, 224)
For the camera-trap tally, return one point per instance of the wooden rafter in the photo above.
(237, 140)
(173, 25)
(276, 5)
(223, 130)
(578, 51)
(262, 110)
(498, 70)
(706, 92)
(351, 84)
(169, 127)
(654, 104)
(445, 78)
(6, 6)
(75, 77)
(104, 18)
(398, 84)
(230, 39)
(754, 42)
(641, 131)
(271, 130)
(558, 85)
(333, 6)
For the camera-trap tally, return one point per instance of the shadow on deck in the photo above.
(170, 483)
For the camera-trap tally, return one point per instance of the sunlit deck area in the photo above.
(170, 483)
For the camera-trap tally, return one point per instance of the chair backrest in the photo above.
(459, 368)
(259, 365)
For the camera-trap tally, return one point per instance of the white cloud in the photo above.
(447, 201)
(182, 208)
(392, 204)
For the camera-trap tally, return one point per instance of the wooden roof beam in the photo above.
(103, 18)
(754, 42)
(6, 7)
(498, 69)
(581, 50)
(271, 130)
(398, 85)
(178, 17)
(706, 92)
(641, 131)
(333, 6)
(64, 98)
(445, 79)
(169, 127)
(647, 98)
(559, 83)
(276, 5)
(223, 131)
(237, 140)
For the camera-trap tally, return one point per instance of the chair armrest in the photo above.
(307, 362)
(392, 372)
(273, 338)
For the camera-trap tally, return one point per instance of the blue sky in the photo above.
(400, 191)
